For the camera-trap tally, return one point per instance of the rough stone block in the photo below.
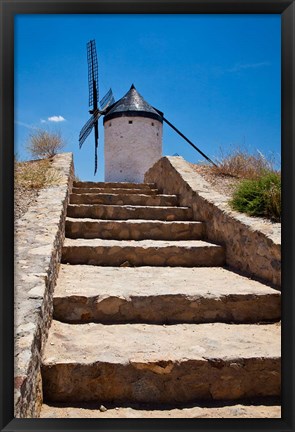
(101, 211)
(142, 252)
(124, 199)
(160, 364)
(133, 229)
(161, 295)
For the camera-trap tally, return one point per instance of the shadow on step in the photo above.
(259, 401)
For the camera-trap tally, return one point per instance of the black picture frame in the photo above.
(8, 8)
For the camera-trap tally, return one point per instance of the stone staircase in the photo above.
(147, 322)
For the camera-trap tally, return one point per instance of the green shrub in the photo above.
(260, 197)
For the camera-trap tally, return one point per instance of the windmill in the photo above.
(98, 109)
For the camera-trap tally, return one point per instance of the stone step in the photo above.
(125, 185)
(111, 190)
(186, 253)
(255, 409)
(144, 363)
(134, 229)
(123, 212)
(124, 199)
(161, 295)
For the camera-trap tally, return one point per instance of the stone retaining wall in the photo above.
(253, 245)
(39, 235)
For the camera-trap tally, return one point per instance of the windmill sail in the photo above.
(107, 100)
(92, 74)
(87, 128)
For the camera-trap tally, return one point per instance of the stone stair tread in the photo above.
(131, 206)
(148, 191)
(184, 253)
(146, 363)
(213, 282)
(133, 221)
(86, 344)
(124, 199)
(147, 243)
(91, 410)
(130, 211)
(159, 294)
(136, 229)
(108, 194)
(128, 185)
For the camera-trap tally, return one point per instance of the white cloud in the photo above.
(26, 125)
(56, 118)
(43, 121)
(240, 66)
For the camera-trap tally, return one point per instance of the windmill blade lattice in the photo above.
(92, 73)
(87, 128)
(107, 100)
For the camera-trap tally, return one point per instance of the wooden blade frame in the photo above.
(87, 128)
(96, 145)
(107, 100)
(92, 74)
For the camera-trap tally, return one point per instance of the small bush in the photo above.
(259, 197)
(43, 144)
(241, 164)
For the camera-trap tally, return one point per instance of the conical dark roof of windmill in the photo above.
(132, 105)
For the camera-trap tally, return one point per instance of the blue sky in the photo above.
(215, 77)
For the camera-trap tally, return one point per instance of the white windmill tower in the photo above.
(132, 138)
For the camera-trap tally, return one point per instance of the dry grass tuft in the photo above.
(243, 165)
(36, 174)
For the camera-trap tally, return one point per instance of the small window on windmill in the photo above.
(153, 124)
(130, 122)
(110, 124)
